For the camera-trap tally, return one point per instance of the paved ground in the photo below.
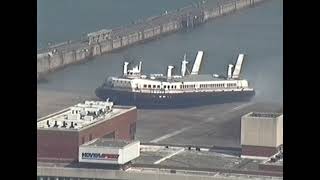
(182, 157)
(194, 159)
(208, 125)
(49, 101)
(157, 158)
(217, 125)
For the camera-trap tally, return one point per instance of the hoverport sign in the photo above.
(100, 156)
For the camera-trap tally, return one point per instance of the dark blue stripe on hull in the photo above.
(150, 100)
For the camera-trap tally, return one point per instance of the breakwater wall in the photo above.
(66, 53)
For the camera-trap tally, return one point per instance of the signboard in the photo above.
(91, 153)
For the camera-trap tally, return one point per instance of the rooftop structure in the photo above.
(175, 161)
(109, 151)
(60, 134)
(264, 115)
(80, 116)
(261, 133)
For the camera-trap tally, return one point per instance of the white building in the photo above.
(261, 134)
(108, 151)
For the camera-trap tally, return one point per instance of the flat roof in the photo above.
(193, 158)
(81, 116)
(190, 161)
(209, 160)
(263, 114)
(103, 142)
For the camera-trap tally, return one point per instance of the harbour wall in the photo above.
(94, 44)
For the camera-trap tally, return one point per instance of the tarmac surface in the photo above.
(182, 157)
(193, 161)
(51, 101)
(214, 125)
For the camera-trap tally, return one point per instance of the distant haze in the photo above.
(257, 32)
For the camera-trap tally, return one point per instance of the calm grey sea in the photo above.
(257, 32)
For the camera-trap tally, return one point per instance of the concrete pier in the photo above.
(94, 44)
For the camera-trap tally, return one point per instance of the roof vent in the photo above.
(55, 124)
(71, 126)
(64, 124)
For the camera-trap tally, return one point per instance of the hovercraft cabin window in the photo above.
(149, 86)
(158, 86)
(145, 86)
